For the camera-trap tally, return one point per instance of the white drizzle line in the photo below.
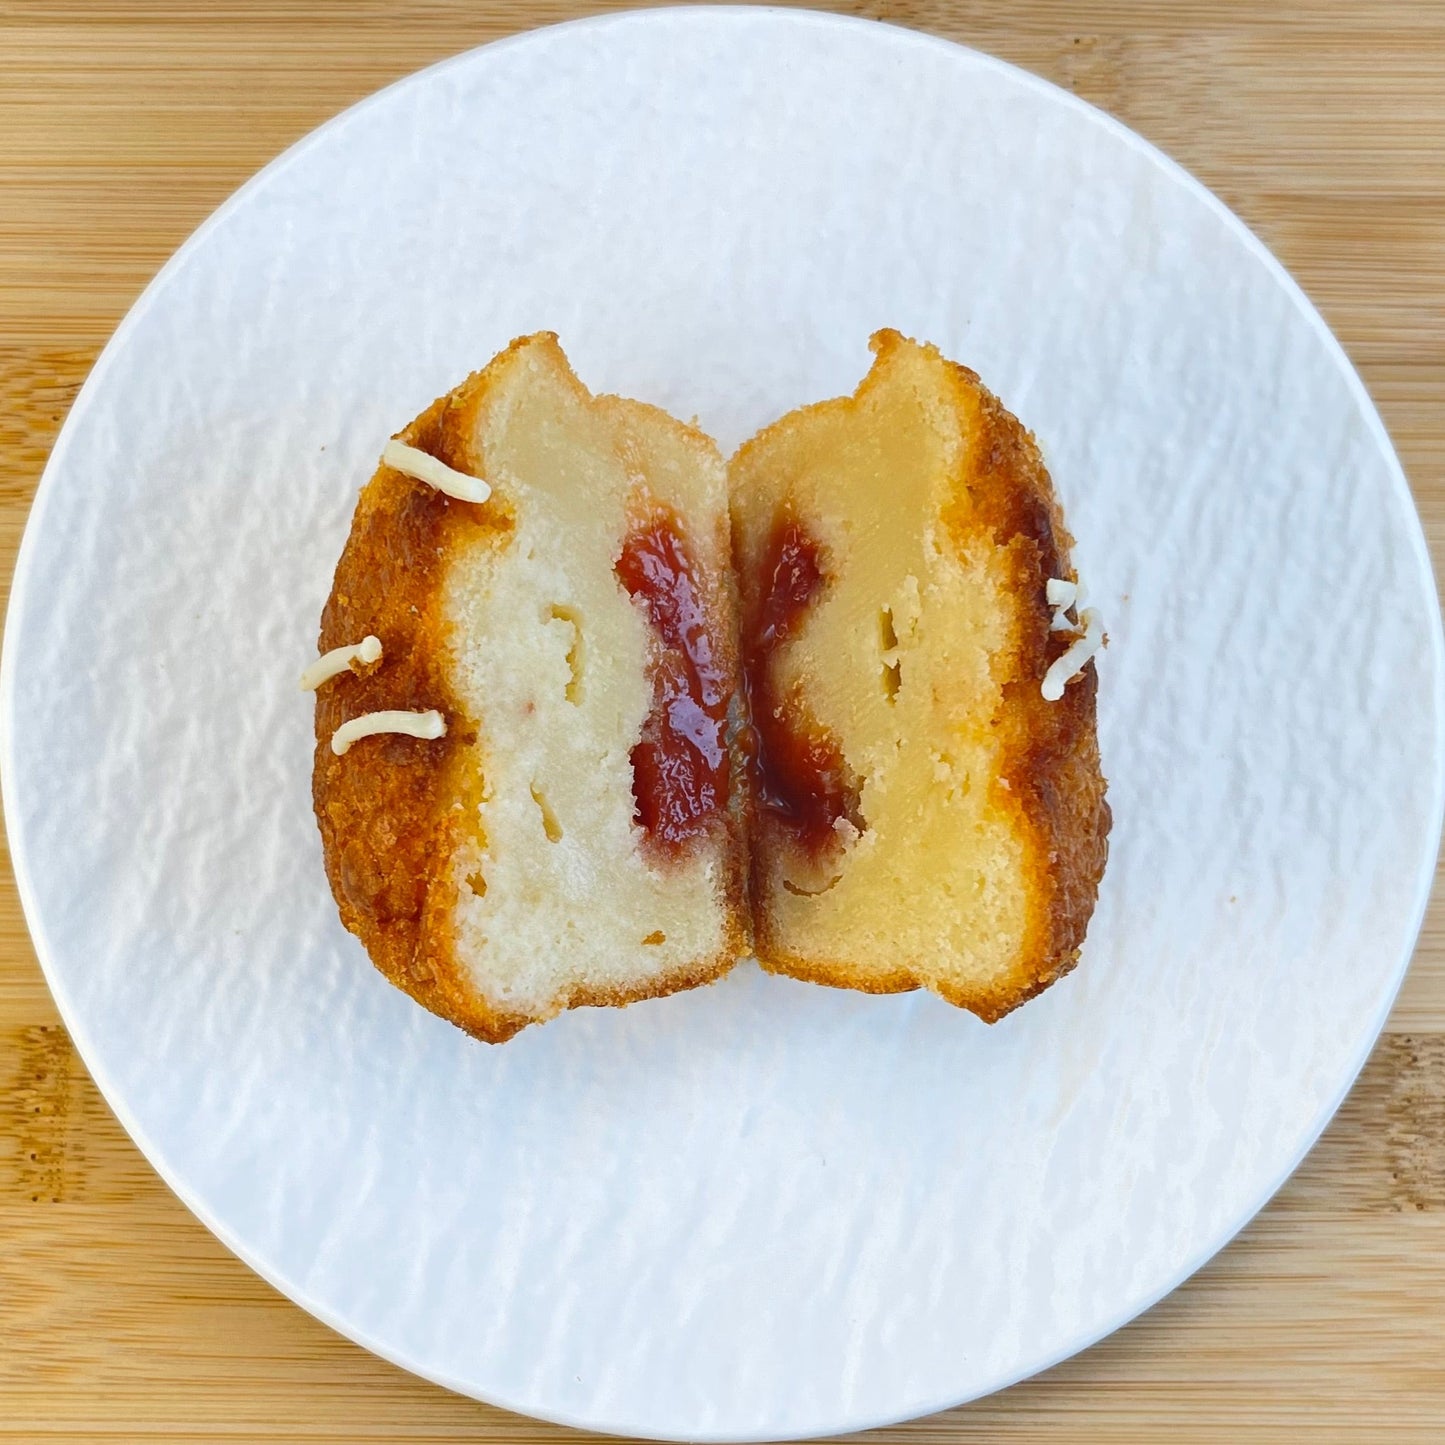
(1069, 664)
(413, 724)
(1062, 595)
(368, 650)
(426, 468)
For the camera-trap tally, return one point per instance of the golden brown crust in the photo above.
(386, 809)
(1050, 769)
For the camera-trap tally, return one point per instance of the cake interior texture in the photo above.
(558, 895)
(925, 818)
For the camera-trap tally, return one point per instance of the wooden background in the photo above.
(1322, 122)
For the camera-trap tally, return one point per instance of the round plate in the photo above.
(763, 1209)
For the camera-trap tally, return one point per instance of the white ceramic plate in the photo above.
(763, 1209)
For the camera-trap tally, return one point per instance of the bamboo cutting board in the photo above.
(1322, 122)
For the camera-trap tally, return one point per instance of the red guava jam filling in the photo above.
(680, 764)
(799, 774)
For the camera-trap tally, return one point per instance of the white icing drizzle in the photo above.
(1070, 663)
(326, 666)
(426, 468)
(1062, 595)
(413, 724)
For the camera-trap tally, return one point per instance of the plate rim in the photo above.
(705, 15)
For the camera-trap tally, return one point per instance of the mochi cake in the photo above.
(928, 808)
(526, 704)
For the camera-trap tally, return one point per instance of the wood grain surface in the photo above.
(1322, 122)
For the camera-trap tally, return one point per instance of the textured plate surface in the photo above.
(763, 1209)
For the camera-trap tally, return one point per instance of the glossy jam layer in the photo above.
(799, 775)
(680, 765)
